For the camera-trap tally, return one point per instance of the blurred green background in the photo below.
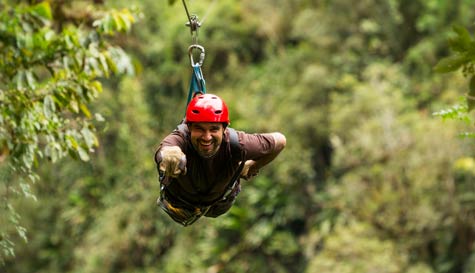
(370, 180)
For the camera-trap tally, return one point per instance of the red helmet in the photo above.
(207, 108)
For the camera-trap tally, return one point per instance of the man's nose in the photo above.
(207, 135)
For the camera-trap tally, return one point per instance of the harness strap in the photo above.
(236, 151)
(197, 83)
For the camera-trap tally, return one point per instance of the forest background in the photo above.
(372, 178)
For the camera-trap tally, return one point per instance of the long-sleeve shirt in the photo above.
(207, 178)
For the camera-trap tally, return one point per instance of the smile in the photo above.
(206, 145)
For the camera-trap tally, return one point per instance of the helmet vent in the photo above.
(218, 112)
(195, 111)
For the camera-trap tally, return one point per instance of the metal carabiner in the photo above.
(202, 54)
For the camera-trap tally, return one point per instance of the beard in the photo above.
(206, 149)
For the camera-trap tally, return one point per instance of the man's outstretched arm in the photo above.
(252, 167)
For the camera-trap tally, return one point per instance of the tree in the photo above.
(51, 60)
(463, 57)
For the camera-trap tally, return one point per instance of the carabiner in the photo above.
(202, 54)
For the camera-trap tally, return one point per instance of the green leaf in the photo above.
(471, 94)
(74, 105)
(461, 43)
(30, 79)
(83, 154)
(22, 232)
(48, 107)
(84, 109)
(26, 191)
(111, 63)
(97, 86)
(106, 24)
(450, 63)
(99, 117)
(19, 79)
(125, 21)
(118, 24)
(42, 10)
(103, 65)
(72, 143)
(52, 151)
(89, 137)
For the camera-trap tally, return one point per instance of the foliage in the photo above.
(369, 180)
(48, 76)
(463, 46)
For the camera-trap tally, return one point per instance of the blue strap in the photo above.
(197, 84)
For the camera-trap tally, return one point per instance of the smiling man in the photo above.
(201, 162)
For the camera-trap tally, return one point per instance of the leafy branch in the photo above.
(49, 77)
(463, 45)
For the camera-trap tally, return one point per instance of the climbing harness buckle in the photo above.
(201, 59)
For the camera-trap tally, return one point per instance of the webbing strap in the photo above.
(200, 211)
(197, 84)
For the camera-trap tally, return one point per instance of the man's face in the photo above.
(206, 137)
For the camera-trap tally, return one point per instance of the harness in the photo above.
(194, 212)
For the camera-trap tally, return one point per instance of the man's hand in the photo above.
(250, 170)
(252, 167)
(173, 161)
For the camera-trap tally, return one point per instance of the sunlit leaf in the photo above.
(43, 10)
(74, 105)
(126, 21)
(99, 117)
(30, 79)
(450, 63)
(83, 154)
(84, 110)
(72, 143)
(117, 24)
(111, 63)
(48, 106)
(97, 86)
(89, 137)
(22, 232)
(103, 64)
(19, 79)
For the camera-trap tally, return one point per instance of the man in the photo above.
(201, 162)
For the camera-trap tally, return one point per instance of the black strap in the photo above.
(235, 152)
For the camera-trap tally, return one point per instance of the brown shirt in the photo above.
(206, 178)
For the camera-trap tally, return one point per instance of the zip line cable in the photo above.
(193, 22)
(208, 11)
(186, 9)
